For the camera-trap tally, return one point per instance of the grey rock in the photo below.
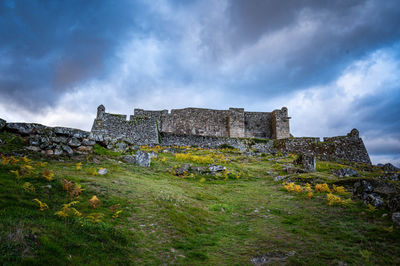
(24, 128)
(74, 142)
(279, 178)
(71, 132)
(2, 123)
(142, 158)
(390, 168)
(184, 169)
(44, 142)
(129, 159)
(88, 142)
(272, 257)
(67, 149)
(102, 171)
(216, 168)
(373, 199)
(307, 161)
(33, 148)
(34, 140)
(1, 141)
(345, 172)
(396, 218)
(58, 152)
(121, 147)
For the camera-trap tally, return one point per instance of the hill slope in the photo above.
(171, 213)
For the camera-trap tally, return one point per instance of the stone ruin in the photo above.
(250, 132)
(144, 125)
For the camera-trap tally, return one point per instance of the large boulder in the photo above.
(142, 158)
(129, 159)
(2, 123)
(345, 172)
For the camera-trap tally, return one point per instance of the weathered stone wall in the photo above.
(158, 115)
(197, 121)
(350, 147)
(234, 123)
(236, 126)
(140, 130)
(258, 125)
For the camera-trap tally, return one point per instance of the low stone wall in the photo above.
(52, 140)
(350, 147)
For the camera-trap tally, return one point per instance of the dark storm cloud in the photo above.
(341, 31)
(47, 47)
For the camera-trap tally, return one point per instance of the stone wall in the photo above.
(234, 123)
(197, 121)
(350, 147)
(53, 140)
(258, 125)
(139, 130)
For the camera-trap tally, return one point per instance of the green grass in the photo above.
(191, 220)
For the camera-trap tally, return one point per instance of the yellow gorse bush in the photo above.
(28, 187)
(48, 174)
(202, 159)
(338, 189)
(336, 200)
(322, 188)
(43, 206)
(78, 166)
(67, 210)
(292, 187)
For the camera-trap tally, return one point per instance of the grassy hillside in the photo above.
(159, 215)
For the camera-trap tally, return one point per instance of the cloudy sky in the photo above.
(335, 64)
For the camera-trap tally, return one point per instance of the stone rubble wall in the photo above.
(350, 147)
(53, 140)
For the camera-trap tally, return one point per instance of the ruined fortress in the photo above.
(144, 125)
(250, 132)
